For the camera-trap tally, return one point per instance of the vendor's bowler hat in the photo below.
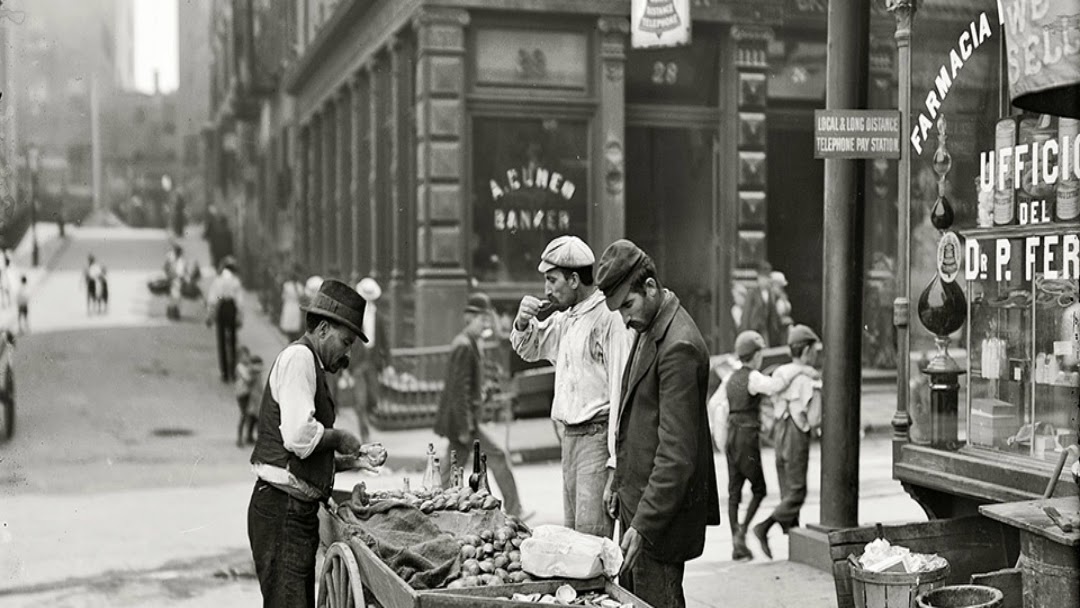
(340, 303)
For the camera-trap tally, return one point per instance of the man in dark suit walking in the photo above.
(760, 313)
(664, 493)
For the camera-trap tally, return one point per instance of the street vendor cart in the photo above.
(353, 574)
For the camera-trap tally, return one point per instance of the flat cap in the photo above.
(748, 343)
(801, 333)
(566, 252)
(478, 302)
(618, 264)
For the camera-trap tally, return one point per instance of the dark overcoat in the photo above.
(664, 474)
(459, 402)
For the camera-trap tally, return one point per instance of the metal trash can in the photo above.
(961, 596)
(893, 589)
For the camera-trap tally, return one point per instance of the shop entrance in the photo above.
(671, 205)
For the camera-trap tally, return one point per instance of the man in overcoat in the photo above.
(664, 490)
(461, 404)
(760, 312)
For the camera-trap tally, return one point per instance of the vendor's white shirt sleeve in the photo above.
(292, 385)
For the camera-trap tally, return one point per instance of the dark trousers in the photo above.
(246, 427)
(743, 451)
(792, 460)
(226, 338)
(284, 536)
(659, 584)
(497, 461)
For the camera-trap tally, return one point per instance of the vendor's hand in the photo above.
(348, 444)
(631, 547)
(530, 305)
(611, 499)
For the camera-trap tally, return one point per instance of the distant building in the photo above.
(139, 132)
(193, 100)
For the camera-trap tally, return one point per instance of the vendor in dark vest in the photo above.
(294, 456)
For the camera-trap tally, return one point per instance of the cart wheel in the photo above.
(339, 581)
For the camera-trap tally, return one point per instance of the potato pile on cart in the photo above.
(444, 547)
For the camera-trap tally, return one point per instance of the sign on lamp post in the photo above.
(659, 23)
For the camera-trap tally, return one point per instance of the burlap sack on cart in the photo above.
(556, 551)
(408, 542)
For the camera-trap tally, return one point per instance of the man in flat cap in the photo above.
(459, 415)
(294, 457)
(797, 411)
(588, 345)
(665, 480)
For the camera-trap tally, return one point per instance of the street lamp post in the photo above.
(32, 165)
(904, 12)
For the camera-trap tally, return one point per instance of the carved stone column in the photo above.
(609, 222)
(399, 61)
(442, 238)
(358, 186)
(751, 66)
(330, 196)
(375, 179)
(315, 181)
(302, 197)
(343, 167)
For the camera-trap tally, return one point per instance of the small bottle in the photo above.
(474, 479)
(484, 485)
(430, 471)
(436, 480)
(453, 468)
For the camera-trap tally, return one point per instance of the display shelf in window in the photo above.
(1056, 375)
(999, 339)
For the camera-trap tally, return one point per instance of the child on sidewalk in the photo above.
(249, 390)
(22, 300)
(742, 395)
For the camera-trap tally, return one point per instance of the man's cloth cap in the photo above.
(340, 303)
(566, 252)
(617, 266)
(748, 343)
(478, 303)
(801, 333)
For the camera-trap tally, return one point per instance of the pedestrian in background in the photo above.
(223, 303)
(664, 492)
(742, 398)
(249, 388)
(8, 282)
(460, 404)
(291, 321)
(294, 456)
(797, 410)
(759, 312)
(369, 358)
(22, 301)
(783, 304)
(91, 280)
(176, 272)
(103, 290)
(588, 345)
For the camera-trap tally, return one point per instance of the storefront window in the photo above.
(530, 184)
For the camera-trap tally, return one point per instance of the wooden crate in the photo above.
(972, 545)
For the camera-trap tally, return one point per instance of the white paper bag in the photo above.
(556, 551)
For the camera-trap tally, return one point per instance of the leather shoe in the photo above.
(761, 531)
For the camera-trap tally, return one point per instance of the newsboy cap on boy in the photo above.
(748, 343)
(478, 302)
(566, 252)
(801, 333)
(340, 303)
(617, 266)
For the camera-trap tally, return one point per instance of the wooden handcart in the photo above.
(350, 569)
